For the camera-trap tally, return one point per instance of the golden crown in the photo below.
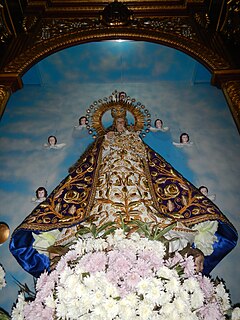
(118, 112)
(119, 104)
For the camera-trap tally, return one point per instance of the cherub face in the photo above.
(83, 121)
(41, 194)
(52, 141)
(184, 138)
(158, 124)
(204, 191)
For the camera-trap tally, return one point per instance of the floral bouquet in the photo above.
(125, 276)
(2, 277)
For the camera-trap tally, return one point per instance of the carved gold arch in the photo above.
(175, 32)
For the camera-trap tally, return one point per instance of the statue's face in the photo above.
(120, 124)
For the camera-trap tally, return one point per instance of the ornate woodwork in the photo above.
(207, 31)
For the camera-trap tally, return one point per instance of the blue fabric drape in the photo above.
(28, 257)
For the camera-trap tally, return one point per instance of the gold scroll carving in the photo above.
(57, 34)
(5, 93)
(231, 90)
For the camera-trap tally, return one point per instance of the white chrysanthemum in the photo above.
(75, 307)
(155, 246)
(72, 281)
(98, 297)
(44, 240)
(135, 237)
(111, 290)
(236, 314)
(181, 305)
(99, 312)
(79, 270)
(118, 235)
(111, 307)
(173, 285)
(60, 292)
(89, 244)
(100, 244)
(126, 311)
(167, 310)
(67, 272)
(184, 294)
(223, 297)
(145, 310)
(131, 299)
(90, 282)
(18, 310)
(61, 310)
(110, 239)
(191, 285)
(125, 244)
(154, 295)
(197, 299)
(205, 237)
(79, 246)
(2, 278)
(166, 273)
(165, 297)
(144, 286)
(50, 301)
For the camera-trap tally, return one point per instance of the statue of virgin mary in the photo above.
(119, 179)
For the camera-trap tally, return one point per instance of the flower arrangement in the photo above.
(123, 275)
(2, 278)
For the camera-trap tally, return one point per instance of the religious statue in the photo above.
(119, 179)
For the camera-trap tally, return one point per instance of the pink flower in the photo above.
(94, 262)
(189, 266)
(69, 256)
(45, 291)
(149, 256)
(143, 268)
(132, 279)
(42, 280)
(207, 286)
(47, 314)
(174, 260)
(118, 263)
(211, 311)
(33, 310)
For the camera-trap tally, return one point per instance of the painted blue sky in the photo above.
(59, 89)
(114, 61)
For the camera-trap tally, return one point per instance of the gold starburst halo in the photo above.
(118, 108)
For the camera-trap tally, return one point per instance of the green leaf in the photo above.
(165, 230)
(93, 229)
(85, 274)
(82, 231)
(117, 298)
(111, 230)
(60, 250)
(4, 315)
(104, 226)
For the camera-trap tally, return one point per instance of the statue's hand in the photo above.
(110, 135)
(55, 254)
(198, 258)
